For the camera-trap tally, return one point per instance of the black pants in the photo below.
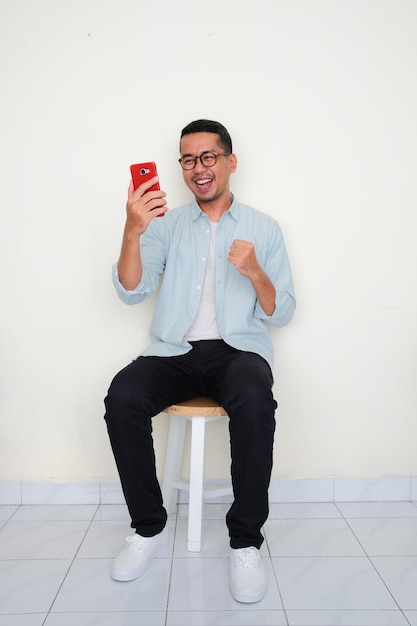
(242, 383)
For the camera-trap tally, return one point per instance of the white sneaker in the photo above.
(247, 575)
(134, 559)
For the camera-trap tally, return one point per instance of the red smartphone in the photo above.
(141, 172)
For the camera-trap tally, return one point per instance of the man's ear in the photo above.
(233, 163)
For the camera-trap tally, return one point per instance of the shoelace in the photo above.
(135, 543)
(247, 558)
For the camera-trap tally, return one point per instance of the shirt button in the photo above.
(203, 259)
(198, 286)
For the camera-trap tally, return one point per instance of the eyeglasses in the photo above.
(207, 158)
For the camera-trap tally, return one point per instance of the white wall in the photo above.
(320, 97)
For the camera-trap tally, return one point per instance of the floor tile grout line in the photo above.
(375, 568)
(9, 519)
(171, 567)
(276, 581)
(71, 564)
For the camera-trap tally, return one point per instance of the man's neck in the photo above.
(215, 209)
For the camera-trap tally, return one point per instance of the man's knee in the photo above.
(125, 391)
(253, 406)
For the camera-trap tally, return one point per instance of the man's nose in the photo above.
(199, 165)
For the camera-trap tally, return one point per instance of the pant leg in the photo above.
(244, 387)
(137, 393)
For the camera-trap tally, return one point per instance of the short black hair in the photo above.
(209, 126)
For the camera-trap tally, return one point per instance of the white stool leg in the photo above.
(173, 460)
(195, 513)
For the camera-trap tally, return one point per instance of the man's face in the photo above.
(208, 184)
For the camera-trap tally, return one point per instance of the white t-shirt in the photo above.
(205, 323)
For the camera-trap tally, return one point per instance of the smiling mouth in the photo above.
(203, 183)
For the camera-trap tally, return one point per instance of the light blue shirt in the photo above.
(176, 246)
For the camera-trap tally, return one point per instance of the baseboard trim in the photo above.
(333, 489)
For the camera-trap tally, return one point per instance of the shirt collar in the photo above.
(233, 209)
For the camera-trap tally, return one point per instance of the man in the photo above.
(225, 273)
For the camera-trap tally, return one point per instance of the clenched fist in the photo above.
(242, 256)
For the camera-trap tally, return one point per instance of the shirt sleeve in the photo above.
(277, 268)
(153, 263)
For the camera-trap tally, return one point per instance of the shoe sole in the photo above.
(126, 576)
(247, 598)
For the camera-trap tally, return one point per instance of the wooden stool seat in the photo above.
(202, 406)
(198, 412)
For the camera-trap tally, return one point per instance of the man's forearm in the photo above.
(265, 291)
(129, 266)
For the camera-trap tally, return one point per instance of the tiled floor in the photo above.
(350, 564)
